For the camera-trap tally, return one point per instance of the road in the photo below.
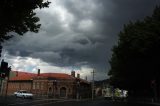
(60, 102)
(63, 102)
(13, 101)
(96, 103)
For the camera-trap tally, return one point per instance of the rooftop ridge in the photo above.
(28, 75)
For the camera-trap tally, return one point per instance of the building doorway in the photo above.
(49, 92)
(63, 92)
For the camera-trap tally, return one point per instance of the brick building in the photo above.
(57, 85)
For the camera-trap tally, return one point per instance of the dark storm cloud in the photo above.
(82, 41)
(109, 17)
(86, 37)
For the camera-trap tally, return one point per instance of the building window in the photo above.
(34, 85)
(38, 85)
(42, 84)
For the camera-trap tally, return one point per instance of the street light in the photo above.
(93, 72)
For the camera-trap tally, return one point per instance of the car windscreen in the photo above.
(24, 92)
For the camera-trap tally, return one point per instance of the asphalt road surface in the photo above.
(52, 102)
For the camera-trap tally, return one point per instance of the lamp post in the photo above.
(93, 84)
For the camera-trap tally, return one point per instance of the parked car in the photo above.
(23, 94)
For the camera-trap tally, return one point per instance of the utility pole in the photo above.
(93, 72)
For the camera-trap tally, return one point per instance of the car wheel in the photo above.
(23, 97)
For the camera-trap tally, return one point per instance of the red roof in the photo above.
(30, 76)
(23, 76)
(57, 75)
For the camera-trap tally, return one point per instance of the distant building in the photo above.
(99, 86)
(56, 85)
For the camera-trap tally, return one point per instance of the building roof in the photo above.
(26, 76)
(57, 75)
(16, 75)
(22, 76)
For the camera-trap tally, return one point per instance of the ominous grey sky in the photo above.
(75, 35)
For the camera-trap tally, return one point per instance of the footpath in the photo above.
(149, 101)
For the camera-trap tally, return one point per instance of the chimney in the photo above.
(78, 75)
(73, 73)
(38, 72)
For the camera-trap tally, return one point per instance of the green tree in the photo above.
(18, 17)
(135, 59)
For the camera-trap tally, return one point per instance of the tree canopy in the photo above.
(135, 58)
(18, 16)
